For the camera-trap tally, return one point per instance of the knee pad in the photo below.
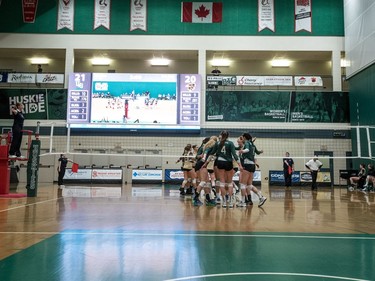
(222, 185)
(202, 183)
(230, 185)
(242, 186)
(194, 181)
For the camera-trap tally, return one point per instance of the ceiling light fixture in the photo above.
(345, 63)
(39, 60)
(159, 62)
(280, 63)
(101, 61)
(220, 62)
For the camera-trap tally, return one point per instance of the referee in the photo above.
(314, 166)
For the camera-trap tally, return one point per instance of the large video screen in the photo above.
(134, 101)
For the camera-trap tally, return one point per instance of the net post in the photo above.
(37, 132)
(358, 142)
(68, 139)
(369, 142)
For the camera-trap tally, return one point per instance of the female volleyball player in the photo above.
(187, 168)
(225, 153)
(248, 163)
(208, 149)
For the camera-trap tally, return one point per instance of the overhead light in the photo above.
(101, 61)
(344, 63)
(280, 63)
(220, 62)
(39, 60)
(159, 62)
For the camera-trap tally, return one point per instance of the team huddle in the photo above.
(211, 167)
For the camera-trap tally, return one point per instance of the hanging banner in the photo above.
(266, 15)
(138, 15)
(302, 15)
(308, 81)
(65, 15)
(102, 14)
(29, 10)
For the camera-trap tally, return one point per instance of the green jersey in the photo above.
(227, 152)
(248, 155)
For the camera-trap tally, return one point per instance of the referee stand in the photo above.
(32, 158)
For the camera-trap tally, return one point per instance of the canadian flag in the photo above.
(201, 12)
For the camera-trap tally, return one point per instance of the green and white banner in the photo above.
(267, 106)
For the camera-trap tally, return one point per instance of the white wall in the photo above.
(359, 21)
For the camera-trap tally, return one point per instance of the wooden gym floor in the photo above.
(148, 232)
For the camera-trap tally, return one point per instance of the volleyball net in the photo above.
(159, 149)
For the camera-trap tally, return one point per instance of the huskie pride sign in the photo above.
(40, 104)
(34, 104)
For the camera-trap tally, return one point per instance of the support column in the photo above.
(202, 72)
(69, 65)
(336, 71)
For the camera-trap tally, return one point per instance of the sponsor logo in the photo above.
(306, 176)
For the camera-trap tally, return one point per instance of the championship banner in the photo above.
(102, 14)
(201, 12)
(49, 78)
(308, 81)
(138, 15)
(266, 15)
(302, 15)
(65, 16)
(29, 8)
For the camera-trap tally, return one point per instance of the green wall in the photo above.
(164, 18)
(362, 92)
